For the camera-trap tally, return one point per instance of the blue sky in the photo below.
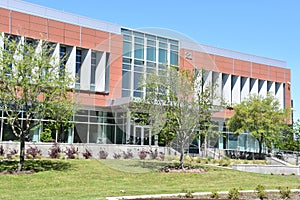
(268, 28)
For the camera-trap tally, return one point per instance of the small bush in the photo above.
(12, 154)
(103, 154)
(260, 192)
(128, 154)
(46, 135)
(285, 192)
(205, 160)
(142, 154)
(197, 160)
(71, 152)
(153, 154)
(233, 194)
(2, 151)
(161, 156)
(87, 154)
(33, 152)
(214, 195)
(54, 151)
(117, 156)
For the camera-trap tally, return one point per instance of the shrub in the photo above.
(153, 154)
(117, 155)
(224, 162)
(33, 152)
(2, 151)
(54, 151)
(214, 195)
(142, 154)
(87, 154)
(233, 194)
(46, 135)
(161, 156)
(103, 154)
(197, 160)
(71, 152)
(285, 192)
(260, 192)
(128, 154)
(12, 153)
(205, 160)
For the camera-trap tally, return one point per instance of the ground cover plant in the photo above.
(98, 179)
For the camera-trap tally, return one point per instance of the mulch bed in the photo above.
(187, 169)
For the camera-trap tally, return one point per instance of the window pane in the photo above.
(138, 51)
(138, 34)
(126, 66)
(137, 94)
(138, 77)
(163, 45)
(151, 53)
(138, 40)
(127, 49)
(151, 37)
(162, 58)
(175, 48)
(93, 67)
(125, 93)
(127, 37)
(126, 79)
(138, 68)
(174, 58)
(151, 43)
(162, 39)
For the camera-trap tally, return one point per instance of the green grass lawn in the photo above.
(94, 179)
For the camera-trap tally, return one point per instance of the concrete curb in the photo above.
(182, 194)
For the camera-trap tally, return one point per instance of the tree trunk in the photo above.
(260, 149)
(22, 152)
(181, 157)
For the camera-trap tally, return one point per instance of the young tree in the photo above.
(177, 102)
(261, 117)
(33, 85)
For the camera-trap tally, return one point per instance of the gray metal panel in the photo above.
(231, 54)
(62, 16)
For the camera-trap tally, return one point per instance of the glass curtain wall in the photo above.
(144, 53)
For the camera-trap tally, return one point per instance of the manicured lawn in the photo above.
(93, 179)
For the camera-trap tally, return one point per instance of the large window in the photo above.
(78, 65)
(93, 70)
(150, 54)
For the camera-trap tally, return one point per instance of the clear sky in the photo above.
(268, 28)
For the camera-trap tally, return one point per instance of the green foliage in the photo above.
(35, 81)
(233, 194)
(260, 116)
(46, 135)
(214, 195)
(285, 192)
(176, 103)
(260, 192)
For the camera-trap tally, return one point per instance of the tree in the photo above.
(33, 85)
(176, 101)
(261, 117)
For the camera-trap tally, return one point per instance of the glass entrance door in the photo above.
(142, 136)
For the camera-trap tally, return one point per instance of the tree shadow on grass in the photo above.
(34, 165)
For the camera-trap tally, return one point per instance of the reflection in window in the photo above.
(138, 51)
(127, 49)
(162, 57)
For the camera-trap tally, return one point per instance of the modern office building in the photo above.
(110, 61)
